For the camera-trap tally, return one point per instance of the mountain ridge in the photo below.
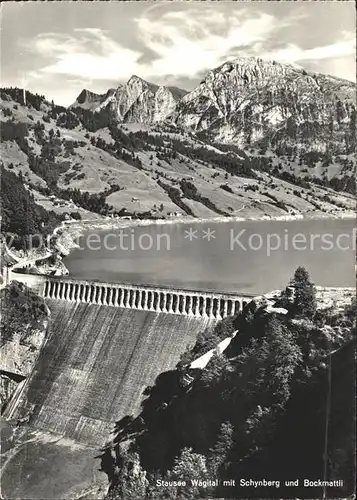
(136, 100)
(246, 101)
(124, 151)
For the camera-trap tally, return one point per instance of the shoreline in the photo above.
(68, 232)
(123, 223)
(268, 218)
(72, 230)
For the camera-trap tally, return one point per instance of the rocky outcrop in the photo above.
(245, 102)
(7, 387)
(18, 356)
(249, 101)
(136, 101)
(270, 303)
(92, 101)
(23, 331)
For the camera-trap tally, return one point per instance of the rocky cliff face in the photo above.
(246, 102)
(250, 101)
(136, 101)
(23, 331)
(92, 101)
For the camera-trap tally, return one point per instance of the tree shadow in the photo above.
(159, 401)
(108, 463)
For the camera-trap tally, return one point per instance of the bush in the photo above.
(68, 119)
(76, 215)
(226, 188)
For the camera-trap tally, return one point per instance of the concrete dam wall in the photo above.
(107, 343)
(96, 363)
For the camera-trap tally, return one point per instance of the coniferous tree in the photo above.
(304, 304)
(217, 456)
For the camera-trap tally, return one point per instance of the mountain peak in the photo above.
(86, 95)
(90, 100)
(137, 100)
(137, 81)
(136, 77)
(248, 99)
(251, 69)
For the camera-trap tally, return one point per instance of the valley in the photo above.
(153, 167)
(99, 394)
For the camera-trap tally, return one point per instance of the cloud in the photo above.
(181, 44)
(293, 53)
(188, 42)
(88, 53)
(191, 41)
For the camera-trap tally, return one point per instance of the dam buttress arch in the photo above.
(146, 298)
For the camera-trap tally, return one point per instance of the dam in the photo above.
(106, 343)
(184, 302)
(201, 304)
(96, 363)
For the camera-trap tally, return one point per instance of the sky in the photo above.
(59, 48)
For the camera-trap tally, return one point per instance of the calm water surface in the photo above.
(235, 257)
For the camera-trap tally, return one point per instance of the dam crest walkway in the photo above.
(204, 304)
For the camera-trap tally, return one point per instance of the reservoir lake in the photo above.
(236, 256)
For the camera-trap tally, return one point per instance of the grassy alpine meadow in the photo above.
(96, 364)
